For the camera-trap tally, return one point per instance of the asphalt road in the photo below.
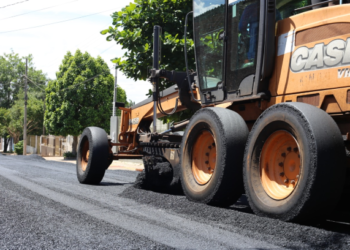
(43, 206)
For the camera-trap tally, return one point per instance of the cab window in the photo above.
(286, 8)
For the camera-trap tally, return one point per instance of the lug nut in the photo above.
(292, 182)
(289, 149)
(280, 164)
(286, 181)
(209, 147)
(295, 150)
(206, 162)
(283, 154)
(282, 174)
(297, 176)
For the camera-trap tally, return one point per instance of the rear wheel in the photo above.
(280, 165)
(93, 156)
(294, 164)
(212, 155)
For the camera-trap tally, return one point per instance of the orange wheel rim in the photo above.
(280, 165)
(204, 158)
(85, 155)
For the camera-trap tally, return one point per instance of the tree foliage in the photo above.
(19, 148)
(81, 96)
(12, 120)
(130, 103)
(4, 121)
(133, 30)
(12, 70)
(35, 116)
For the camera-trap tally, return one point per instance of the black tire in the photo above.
(230, 133)
(92, 169)
(158, 176)
(322, 163)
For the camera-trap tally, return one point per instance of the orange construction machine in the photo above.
(271, 97)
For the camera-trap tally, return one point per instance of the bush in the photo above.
(69, 154)
(19, 148)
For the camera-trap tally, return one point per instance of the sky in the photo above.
(50, 43)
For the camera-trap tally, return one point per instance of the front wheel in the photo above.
(212, 156)
(93, 156)
(294, 164)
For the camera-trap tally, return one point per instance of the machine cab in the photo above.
(235, 46)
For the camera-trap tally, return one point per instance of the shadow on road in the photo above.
(114, 184)
(242, 205)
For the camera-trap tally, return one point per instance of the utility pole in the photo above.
(115, 91)
(25, 111)
(114, 118)
(44, 116)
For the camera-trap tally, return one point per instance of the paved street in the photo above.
(42, 206)
(134, 165)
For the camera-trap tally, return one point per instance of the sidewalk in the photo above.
(132, 165)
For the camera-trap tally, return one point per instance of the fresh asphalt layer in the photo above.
(43, 206)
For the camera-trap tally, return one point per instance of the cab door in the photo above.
(242, 45)
(209, 34)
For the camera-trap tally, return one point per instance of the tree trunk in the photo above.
(75, 144)
(15, 139)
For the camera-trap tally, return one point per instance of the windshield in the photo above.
(209, 23)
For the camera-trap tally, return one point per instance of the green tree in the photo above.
(130, 103)
(12, 70)
(121, 97)
(35, 116)
(81, 96)
(4, 123)
(133, 30)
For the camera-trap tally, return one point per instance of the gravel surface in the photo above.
(42, 206)
(29, 220)
(240, 219)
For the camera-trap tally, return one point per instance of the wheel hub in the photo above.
(280, 165)
(85, 155)
(204, 158)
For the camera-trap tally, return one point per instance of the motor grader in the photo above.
(271, 97)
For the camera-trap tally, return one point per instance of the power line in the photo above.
(36, 84)
(74, 85)
(39, 26)
(84, 43)
(13, 4)
(37, 10)
(107, 49)
(69, 87)
(77, 84)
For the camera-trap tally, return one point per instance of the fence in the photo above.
(160, 126)
(49, 145)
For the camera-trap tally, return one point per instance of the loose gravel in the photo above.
(51, 210)
(239, 218)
